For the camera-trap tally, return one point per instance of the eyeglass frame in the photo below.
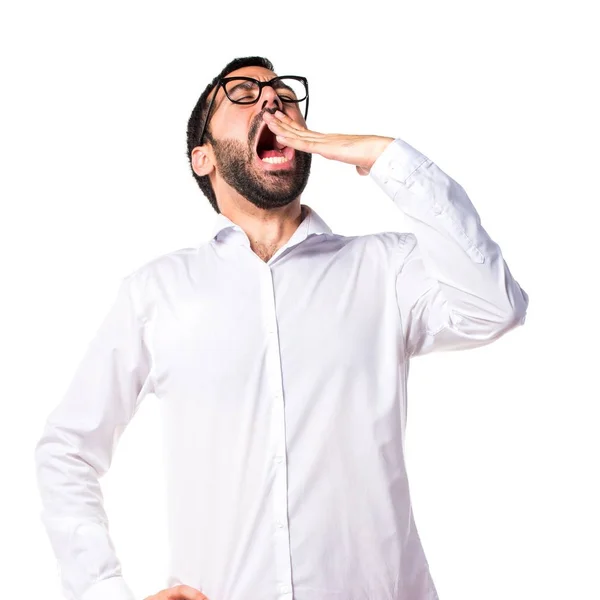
(261, 85)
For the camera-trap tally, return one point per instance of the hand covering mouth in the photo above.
(267, 141)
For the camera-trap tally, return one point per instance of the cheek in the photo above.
(233, 125)
(298, 116)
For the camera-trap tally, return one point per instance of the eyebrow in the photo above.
(241, 84)
(281, 84)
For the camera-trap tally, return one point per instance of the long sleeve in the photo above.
(77, 446)
(453, 286)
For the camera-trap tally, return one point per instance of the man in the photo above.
(280, 354)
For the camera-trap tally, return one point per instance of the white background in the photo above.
(502, 440)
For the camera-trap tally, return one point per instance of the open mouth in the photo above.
(271, 152)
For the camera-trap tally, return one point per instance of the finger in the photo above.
(279, 128)
(277, 125)
(291, 126)
(288, 120)
(300, 144)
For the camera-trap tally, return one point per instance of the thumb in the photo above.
(190, 593)
(185, 592)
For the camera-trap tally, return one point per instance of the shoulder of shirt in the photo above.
(145, 281)
(163, 261)
(390, 240)
(384, 248)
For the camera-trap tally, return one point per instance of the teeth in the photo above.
(275, 160)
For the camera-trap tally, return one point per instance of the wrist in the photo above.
(380, 143)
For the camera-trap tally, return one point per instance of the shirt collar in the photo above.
(312, 224)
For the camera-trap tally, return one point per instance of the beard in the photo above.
(264, 189)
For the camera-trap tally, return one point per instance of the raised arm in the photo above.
(454, 288)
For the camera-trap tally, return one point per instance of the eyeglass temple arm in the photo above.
(212, 100)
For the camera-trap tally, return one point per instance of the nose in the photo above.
(270, 100)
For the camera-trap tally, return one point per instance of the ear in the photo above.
(202, 161)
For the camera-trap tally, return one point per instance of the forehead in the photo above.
(259, 73)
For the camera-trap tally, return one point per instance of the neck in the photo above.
(267, 230)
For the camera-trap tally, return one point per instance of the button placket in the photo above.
(281, 540)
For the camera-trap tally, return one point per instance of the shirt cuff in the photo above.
(114, 588)
(395, 165)
(432, 198)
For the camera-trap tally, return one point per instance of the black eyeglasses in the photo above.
(246, 90)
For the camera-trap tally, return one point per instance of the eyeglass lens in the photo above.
(246, 92)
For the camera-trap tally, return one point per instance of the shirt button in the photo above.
(284, 589)
(278, 459)
(437, 209)
(279, 524)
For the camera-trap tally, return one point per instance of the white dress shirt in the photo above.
(282, 386)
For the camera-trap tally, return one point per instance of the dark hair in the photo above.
(196, 120)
